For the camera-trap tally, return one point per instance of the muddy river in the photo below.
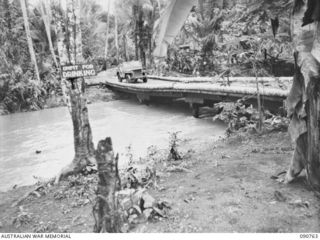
(126, 121)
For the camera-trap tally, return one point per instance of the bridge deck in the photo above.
(204, 91)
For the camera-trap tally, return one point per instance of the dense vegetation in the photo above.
(19, 88)
(229, 35)
(219, 37)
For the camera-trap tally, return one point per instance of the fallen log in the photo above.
(219, 79)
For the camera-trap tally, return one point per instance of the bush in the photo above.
(20, 92)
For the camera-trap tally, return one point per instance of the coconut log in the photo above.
(106, 214)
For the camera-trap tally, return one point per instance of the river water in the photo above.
(50, 131)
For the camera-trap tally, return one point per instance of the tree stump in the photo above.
(106, 214)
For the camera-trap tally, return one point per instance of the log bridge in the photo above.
(206, 91)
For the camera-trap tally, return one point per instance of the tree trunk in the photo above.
(136, 46)
(46, 20)
(125, 52)
(200, 4)
(304, 100)
(107, 34)
(159, 6)
(150, 48)
(143, 56)
(70, 52)
(29, 39)
(105, 211)
(136, 30)
(141, 34)
(116, 36)
(83, 144)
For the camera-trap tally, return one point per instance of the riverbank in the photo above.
(218, 186)
(94, 94)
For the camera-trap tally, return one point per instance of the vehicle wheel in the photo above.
(128, 77)
(119, 77)
(145, 80)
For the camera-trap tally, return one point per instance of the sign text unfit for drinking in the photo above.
(80, 70)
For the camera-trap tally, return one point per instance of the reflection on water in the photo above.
(50, 131)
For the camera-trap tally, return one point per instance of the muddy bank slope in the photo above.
(224, 186)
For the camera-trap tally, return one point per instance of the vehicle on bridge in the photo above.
(131, 72)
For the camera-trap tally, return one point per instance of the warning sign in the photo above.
(80, 70)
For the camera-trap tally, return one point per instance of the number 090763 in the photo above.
(309, 235)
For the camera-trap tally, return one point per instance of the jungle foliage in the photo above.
(219, 37)
(19, 88)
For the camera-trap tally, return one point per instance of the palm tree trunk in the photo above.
(136, 46)
(141, 33)
(159, 6)
(29, 39)
(116, 36)
(150, 50)
(46, 20)
(200, 3)
(70, 52)
(125, 52)
(136, 30)
(107, 34)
